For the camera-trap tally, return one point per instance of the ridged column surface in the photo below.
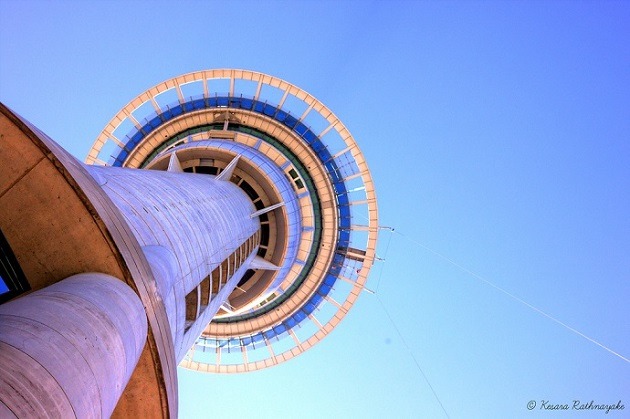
(69, 349)
(196, 218)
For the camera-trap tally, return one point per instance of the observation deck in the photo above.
(306, 176)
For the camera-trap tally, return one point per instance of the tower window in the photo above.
(12, 279)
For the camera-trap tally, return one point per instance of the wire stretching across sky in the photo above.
(512, 296)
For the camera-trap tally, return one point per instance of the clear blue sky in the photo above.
(498, 134)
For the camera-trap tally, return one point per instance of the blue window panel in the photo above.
(308, 308)
(269, 110)
(122, 155)
(199, 103)
(223, 101)
(269, 333)
(344, 224)
(258, 337)
(300, 128)
(177, 110)
(320, 149)
(335, 269)
(246, 103)
(299, 316)
(330, 280)
(212, 102)
(316, 299)
(324, 289)
(290, 323)
(344, 227)
(279, 329)
(133, 141)
(332, 169)
(326, 156)
(155, 122)
(290, 121)
(310, 137)
(343, 193)
(146, 129)
(281, 116)
(259, 107)
(235, 102)
(187, 107)
(166, 115)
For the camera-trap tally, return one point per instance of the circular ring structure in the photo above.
(336, 202)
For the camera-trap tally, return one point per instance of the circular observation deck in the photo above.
(292, 150)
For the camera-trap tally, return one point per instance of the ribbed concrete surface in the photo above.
(69, 349)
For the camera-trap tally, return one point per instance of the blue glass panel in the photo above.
(344, 237)
(309, 307)
(300, 128)
(299, 316)
(177, 110)
(259, 107)
(290, 323)
(279, 329)
(281, 115)
(324, 289)
(316, 299)
(246, 103)
(235, 102)
(147, 129)
(290, 121)
(122, 155)
(222, 101)
(310, 137)
(269, 110)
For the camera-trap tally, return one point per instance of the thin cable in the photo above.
(520, 300)
(378, 281)
(411, 353)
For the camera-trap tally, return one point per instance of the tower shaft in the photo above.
(225, 232)
(202, 225)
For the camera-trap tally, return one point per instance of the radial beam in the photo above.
(266, 209)
(260, 263)
(226, 174)
(174, 164)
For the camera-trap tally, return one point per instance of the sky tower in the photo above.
(224, 221)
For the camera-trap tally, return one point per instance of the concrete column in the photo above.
(69, 349)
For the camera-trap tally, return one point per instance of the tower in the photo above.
(224, 221)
